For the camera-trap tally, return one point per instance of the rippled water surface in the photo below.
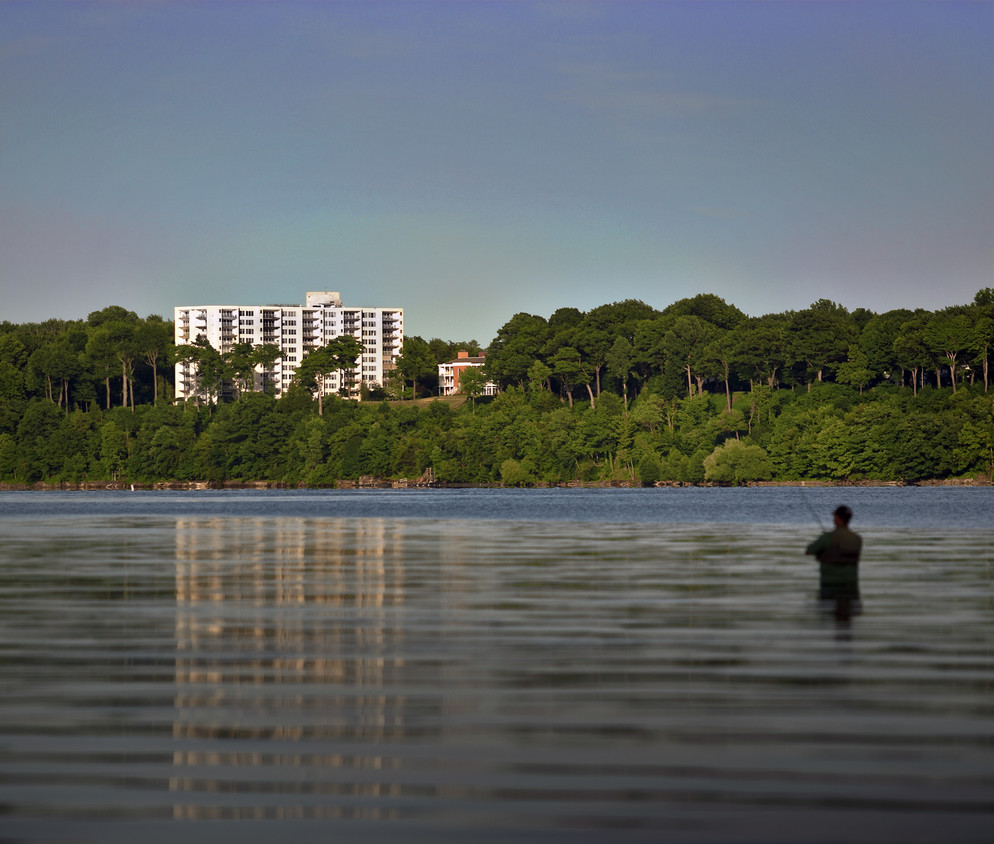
(489, 665)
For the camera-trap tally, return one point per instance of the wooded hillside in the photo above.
(695, 392)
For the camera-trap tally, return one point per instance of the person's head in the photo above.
(842, 515)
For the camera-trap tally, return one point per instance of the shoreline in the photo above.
(376, 483)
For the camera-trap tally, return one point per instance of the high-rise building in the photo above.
(295, 331)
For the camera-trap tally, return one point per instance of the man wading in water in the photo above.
(838, 557)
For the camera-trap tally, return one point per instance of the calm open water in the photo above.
(493, 665)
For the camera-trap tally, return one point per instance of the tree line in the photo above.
(697, 392)
(702, 344)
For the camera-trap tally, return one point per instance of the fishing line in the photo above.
(811, 508)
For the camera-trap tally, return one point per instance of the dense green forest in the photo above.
(697, 392)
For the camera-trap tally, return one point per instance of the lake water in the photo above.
(493, 665)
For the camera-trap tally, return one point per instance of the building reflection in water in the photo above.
(288, 635)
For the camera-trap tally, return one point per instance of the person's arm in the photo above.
(819, 545)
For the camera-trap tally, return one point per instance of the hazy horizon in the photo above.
(467, 161)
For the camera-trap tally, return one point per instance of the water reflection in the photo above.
(840, 600)
(287, 632)
(522, 680)
(841, 610)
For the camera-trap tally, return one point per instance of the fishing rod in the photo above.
(812, 509)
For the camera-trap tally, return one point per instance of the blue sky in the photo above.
(469, 160)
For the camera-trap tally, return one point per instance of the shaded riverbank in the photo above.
(378, 483)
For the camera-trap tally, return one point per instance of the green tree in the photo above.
(416, 362)
(949, 334)
(444, 351)
(975, 446)
(9, 457)
(982, 340)
(240, 363)
(101, 357)
(568, 369)
(649, 347)
(13, 396)
(207, 367)
(761, 348)
(112, 313)
(374, 453)
(512, 473)
(734, 463)
(593, 342)
(113, 450)
(345, 351)
(339, 355)
(715, 361)
(321, 362)
(117, 328)
(820, 336)
(856, 369)
(41, 442)
(516, 347)
(600, 329)
(877, 341)
(473, 382)
(600, 426)
(620, 361)
(12, 351)
(539, 374)
(649, 470)
(709, 308)
(983, 337)
(123, 337)
(153, 339)
(833, 455)
(57, 362)
(264, 357)
(924, 445)
(440, 350)
(910, 349)
(686, 343)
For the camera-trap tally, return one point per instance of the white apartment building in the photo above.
(295, 330)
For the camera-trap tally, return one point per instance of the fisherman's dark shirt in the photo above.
(838, 555)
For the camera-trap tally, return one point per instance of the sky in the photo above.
(467, 161)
